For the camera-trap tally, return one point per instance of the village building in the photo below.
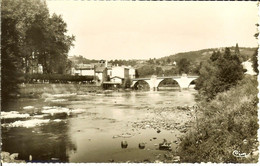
(131, 72)
(120, 71)
(104, 72)
(84, 70)
(118, 75)
(101, 74)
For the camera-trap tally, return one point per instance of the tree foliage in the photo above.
(9, 56)
(219, 74)
(123, 62)
(215, 56)
(146, 71)
(184, 66)
(30, 36)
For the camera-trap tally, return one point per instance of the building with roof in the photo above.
(84, 70)
(120, 71)
(104, 72)
(101, 74)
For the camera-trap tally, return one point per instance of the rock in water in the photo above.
(141, 145)
(124, 144)
(111, 160)
(176, 158)
(14, 156)
(165, 145)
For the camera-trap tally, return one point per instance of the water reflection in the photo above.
(44, 143)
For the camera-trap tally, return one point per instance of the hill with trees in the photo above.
(188, 62)
(202, 55)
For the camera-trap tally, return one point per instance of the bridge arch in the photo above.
(192, 83)
(141, 84)
(167, 82)
(184, 82)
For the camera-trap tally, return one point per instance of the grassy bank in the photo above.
(227, 128)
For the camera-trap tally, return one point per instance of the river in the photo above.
(90, 127)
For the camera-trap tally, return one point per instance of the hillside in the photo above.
(204, 54)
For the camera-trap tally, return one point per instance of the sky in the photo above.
(142, 30)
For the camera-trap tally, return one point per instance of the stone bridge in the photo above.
(153, 82)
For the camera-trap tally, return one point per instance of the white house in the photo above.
(84, 70)
(131, 72)
(120, 71)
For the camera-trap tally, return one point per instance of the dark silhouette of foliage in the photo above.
(31, 37)
(183, 65)
(219, 75)
(237, 51)
(146, 71)
(215, 56)
(9, 59)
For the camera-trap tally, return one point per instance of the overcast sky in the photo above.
(142, 30)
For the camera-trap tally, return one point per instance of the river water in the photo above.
(90, 127)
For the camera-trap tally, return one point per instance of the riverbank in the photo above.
(227, 129)
(36, 90)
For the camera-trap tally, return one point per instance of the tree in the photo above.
(150, 61)
(219, 75)
(31, 37)
(168, 60)
(145, 71)
(215, 56)
(158, 71)
(230, 69)
(171, 72)
(242, 57)
(237, 52)
(9, 63)
(183, 66)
